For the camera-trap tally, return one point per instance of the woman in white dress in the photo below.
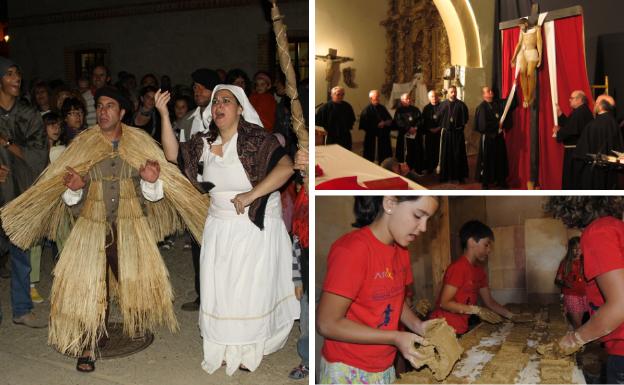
(248, 302)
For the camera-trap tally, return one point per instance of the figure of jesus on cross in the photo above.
(332, 71)
(545, 52)
(528, 57)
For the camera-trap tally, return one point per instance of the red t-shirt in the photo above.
(575, 280)
(602, 243)
(468, 280)
(374, 276)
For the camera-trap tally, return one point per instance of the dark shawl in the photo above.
(258, 151)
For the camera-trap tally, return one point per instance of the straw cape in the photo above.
(79, 298)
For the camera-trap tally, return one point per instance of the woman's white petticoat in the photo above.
(247, 295)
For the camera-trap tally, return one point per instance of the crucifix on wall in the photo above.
(542, 77)
(332, 70)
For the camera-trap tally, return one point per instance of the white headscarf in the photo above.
(249, 113)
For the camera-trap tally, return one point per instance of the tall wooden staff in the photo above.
(296, 112)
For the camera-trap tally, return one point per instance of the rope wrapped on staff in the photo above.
(291, 84)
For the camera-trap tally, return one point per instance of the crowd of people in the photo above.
(433, 141)
(428, 141)
(125, 160)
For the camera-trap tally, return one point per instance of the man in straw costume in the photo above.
(122, 197)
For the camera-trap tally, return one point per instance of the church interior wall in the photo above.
(147, 43)
(353, 28)
(476, 78)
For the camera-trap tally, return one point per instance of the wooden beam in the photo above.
(552, 15)
(441, 258)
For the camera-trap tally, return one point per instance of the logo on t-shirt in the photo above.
(386, 316)
(384, 274)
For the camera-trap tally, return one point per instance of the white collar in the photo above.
(195, 114)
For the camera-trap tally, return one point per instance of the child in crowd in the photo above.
(364, 291)
(571, 279)
(56, 145)
(263, 101)
(57, 141)
(300, 232)
(181, 107)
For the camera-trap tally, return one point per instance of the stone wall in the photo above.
(174, 42)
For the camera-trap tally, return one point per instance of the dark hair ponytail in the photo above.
(366, 210)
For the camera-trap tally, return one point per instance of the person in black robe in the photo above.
(601, 136)
(337, 118)
(453, 119)
(568, 132)
(376, 121)
(492, 164)
(431, 131)
(409, 145)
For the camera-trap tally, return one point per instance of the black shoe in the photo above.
(191, 306)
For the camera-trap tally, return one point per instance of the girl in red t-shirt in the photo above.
(571, 279)
(602, 244)
(364, 291)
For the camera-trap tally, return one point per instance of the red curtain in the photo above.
(571, 75)
(571, 68)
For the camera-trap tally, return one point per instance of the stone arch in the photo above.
(463, 32)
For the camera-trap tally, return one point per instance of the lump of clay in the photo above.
(522, 318)
(423, 307)
(551, 349)
(556, 371)
(442, 352)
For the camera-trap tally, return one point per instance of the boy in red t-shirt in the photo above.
(602, 244)
(364, 290)
(465, 281)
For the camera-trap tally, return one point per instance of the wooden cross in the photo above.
(533, 20)
(332, 71)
